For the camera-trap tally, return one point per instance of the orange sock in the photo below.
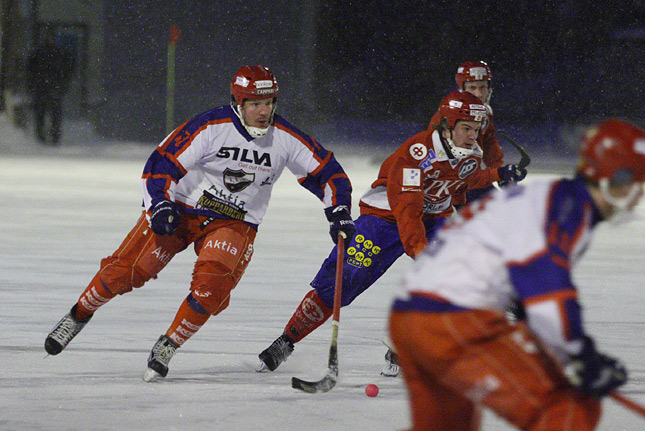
(310, 314)
(94, 296)
(187, 321)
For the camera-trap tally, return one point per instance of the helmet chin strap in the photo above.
(454, 151)
(488, 96)
(255, 132)
(622, 211)
(458, 152)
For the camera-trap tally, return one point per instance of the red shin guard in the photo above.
(94, 296)
(310, 314)
(186, 323)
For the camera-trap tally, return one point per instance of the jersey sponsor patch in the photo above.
(418, 151)
(437, 207)
(222, 203)
(426, 164)
(467, 168)
(411, 177)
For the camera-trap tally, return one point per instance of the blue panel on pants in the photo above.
(374, 248)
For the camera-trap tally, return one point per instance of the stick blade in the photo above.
(326, 384)
(525, 159)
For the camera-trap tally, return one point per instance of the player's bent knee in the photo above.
(327, 293)
(215, 298)
(121, 277)
(212, 288)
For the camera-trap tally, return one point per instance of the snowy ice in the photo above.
(63, 209)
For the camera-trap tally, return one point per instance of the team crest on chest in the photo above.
(467, 168)
(237, 180)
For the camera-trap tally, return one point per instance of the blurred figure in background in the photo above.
(49, 70)
(457, 351)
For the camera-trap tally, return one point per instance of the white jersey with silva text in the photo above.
(211, 166)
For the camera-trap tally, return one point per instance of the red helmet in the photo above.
(473, 71)
(460, 106)
(253, 82)
(613, 151)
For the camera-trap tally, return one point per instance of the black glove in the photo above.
(340, 221)
(164, 217)
(594, 373)
(515, 311)
(510, 174)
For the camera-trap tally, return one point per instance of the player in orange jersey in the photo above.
(476, 78)
(417, 188)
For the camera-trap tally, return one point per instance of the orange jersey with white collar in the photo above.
(418, 182)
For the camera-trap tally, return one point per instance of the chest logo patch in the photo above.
(411, 177)
(418, 151)
(467, 168)
(237, 180)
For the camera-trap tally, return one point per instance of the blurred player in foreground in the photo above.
(208, 184)
(456, 349)
(416, 189)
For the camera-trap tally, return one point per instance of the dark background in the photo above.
(373, 72)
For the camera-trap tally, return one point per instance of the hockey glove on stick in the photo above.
(594, 373)
(340, 221)
(164, 217)
(510, 174)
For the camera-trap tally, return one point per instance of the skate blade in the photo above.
(151, 375)
(262, 368)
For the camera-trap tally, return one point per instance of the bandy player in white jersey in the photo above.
(208, 184)
(456, 349)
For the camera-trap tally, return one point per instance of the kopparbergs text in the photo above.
(210, 202)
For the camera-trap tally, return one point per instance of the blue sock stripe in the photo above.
(195, 305)
(105, 287)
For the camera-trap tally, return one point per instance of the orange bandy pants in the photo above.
(223, 247)
(454, 362)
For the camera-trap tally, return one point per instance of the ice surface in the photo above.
(62, 210)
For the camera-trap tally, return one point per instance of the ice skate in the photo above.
(391, 368)
(161, 354)
(64, 331)
(275, 354)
